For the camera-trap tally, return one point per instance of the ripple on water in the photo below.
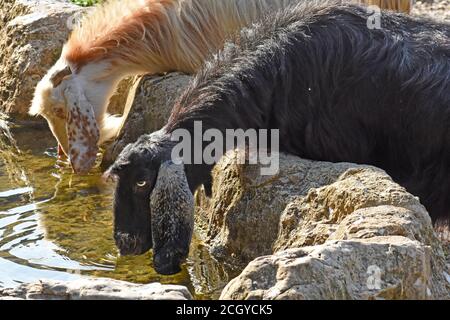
(56, 225)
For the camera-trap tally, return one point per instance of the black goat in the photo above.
(337, 91)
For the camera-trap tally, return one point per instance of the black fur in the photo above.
(337, 91)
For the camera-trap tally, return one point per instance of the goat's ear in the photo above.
(82, 130)
(172, 218)
(58, 77)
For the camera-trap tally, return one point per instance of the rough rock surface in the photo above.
(241, 220)
(335, 211)
(348, 218)
(386, 267)
(95, 289)
(438, 10)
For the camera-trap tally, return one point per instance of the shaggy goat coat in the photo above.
(335, 89)
(128, 37)
(339, 92)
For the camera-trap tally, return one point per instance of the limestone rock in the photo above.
(330, 208)
(95, 289)
(242, 219)
(386, 267)
(314, 218)
(433, 9)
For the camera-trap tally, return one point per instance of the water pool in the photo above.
(56, 225)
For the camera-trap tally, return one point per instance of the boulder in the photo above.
(304, 204)
(326, 209)
(331, 211)
(241, 220)
(433, 9)
(95, 289)
(385, 267)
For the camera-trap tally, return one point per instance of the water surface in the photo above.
(56, 225)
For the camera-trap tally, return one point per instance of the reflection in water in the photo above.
(57, 225)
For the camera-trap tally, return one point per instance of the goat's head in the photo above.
(64, 100)
(49, 102)
(153, 205)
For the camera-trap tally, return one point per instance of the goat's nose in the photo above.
(168, 269)
(127, 250)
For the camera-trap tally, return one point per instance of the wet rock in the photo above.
(9, 152)
(122, 94)
(95, 289)
(32, 33)
(386, 267)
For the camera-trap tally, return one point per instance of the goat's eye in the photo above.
(141, 184)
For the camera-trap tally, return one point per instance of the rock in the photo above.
(122, 94)
(314, 218)
(32, 33)
(244, 200)
(437, 10)
(361, 204)
(150, 101)
(9, 152)
(3, 124)
(95, 288)
(326, 207)
(386, 267)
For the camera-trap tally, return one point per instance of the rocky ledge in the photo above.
(95, 289)
(321, 230)
(316, 230)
